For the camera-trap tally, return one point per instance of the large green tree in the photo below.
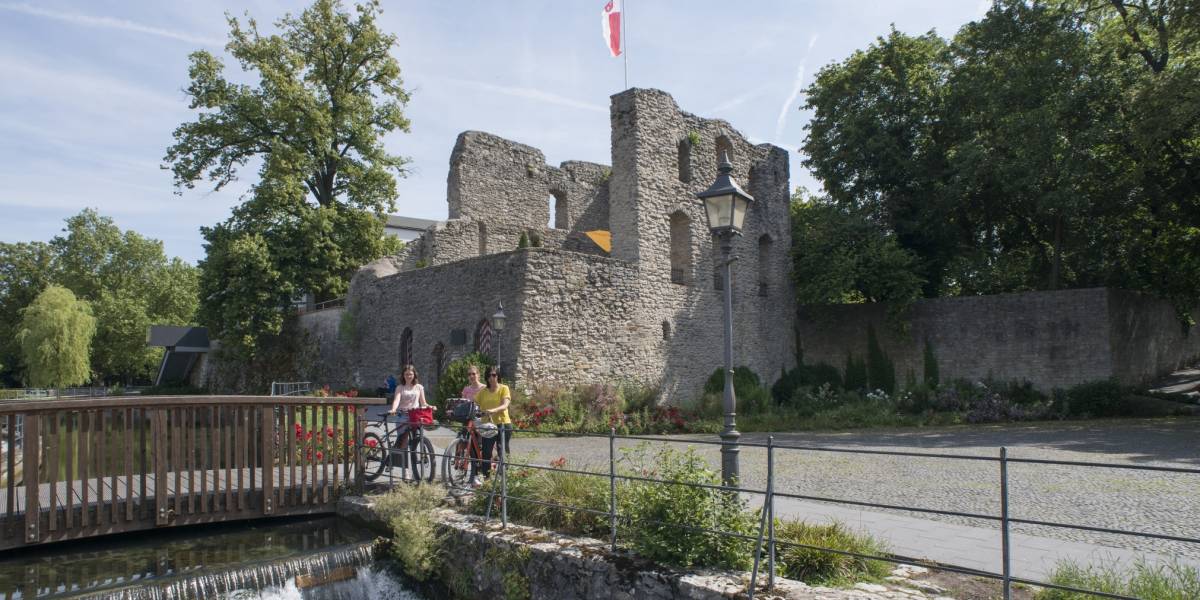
(56, 338)
(125, 278)
(1048, 144)
(327, 91)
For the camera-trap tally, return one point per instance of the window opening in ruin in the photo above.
(724, 148)
(482, 239)
(406, 342)
(764, 265)
(685, 160)
(439, 363)
(559, 215)
(666, 327)
(681, 248)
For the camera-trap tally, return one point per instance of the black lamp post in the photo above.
(498, 321)
(725, 204)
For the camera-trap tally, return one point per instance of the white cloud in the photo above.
(529, 94)
(110, 23)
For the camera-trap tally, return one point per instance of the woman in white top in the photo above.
(410, 393)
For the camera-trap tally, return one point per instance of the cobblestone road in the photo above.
(1165, 503)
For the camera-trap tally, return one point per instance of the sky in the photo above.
(91, 90)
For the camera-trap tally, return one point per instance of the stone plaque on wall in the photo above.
(458, 337)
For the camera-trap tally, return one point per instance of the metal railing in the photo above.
(335, 303)
(291, 388)
(766, 540)
(87, 467)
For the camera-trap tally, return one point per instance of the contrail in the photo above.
(797, 86)
(110, 23)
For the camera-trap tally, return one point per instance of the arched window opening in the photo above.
(406, 346)
(666, 329)
(483, 337)
(764, 265)
(439, 363)
(559, 215)
(681, 248)
(482, 239)
(724, 148)
(685, 160)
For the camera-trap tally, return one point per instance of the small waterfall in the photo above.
(346, 572)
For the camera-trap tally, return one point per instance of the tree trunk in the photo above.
(1056, 266)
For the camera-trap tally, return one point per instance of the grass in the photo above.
(816, 567)
(558, 487)
(1171, 581)
(416, 543)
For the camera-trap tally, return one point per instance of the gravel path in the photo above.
(1146, 501)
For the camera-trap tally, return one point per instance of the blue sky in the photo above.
(90, 91)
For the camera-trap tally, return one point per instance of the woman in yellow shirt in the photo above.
(493, 400)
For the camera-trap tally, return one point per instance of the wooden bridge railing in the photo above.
(91, 466)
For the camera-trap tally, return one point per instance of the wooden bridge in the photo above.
(86, 467)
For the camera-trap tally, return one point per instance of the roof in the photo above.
(399, 222)
(179, 339)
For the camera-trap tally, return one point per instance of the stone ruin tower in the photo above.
(648, 311)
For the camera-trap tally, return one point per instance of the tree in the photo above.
(240, 290)
(130, 285)
(56, 338)
(328, 91)
(839, 255)
(25, 270)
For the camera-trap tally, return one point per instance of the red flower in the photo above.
(371, 442)
(320, 455)
(559, 462)
(309, 436)
(329, 431)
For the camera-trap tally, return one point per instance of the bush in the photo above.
(1172, 581)
(1096, 399)
(666, 518)
(743, 380)
(932, 378)
(881, 373)
(805, 375)
(855, 373)
(816, 567)
(564, 489)
(454, 377)
(416, 543)
(807, 401)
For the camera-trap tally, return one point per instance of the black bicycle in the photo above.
(413, 454)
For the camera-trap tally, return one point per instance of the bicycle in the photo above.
(467, 447)
(414, 449)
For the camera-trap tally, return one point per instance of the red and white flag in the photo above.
(611, 21)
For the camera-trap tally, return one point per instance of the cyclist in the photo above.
(469, 391)
(410, 394)
(493, 400)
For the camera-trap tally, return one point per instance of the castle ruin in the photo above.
(649, 310)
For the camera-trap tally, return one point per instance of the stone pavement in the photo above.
(1032, 557)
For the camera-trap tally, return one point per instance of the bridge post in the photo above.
(158, 459)
(268, 458)
(29, 476)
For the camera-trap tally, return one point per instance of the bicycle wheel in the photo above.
(456, 464)
(422, 460)
(374, 456)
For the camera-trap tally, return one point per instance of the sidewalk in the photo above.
(962, 545)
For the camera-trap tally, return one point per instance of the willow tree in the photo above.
(56, 339)
(325, 92)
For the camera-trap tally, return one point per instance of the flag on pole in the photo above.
(611, 21)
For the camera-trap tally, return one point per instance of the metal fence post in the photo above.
(612, 485)
(1004, 546)
(770, 512)
(503, 480)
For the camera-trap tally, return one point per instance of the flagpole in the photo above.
(625, 38)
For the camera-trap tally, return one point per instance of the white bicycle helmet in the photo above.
(487, 430)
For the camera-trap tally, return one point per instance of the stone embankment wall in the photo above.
(1052, 339)
(488, 561)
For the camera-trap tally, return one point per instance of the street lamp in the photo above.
(498, 321)
(725, 204)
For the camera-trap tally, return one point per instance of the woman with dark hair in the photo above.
(493, 400)
(410, 393)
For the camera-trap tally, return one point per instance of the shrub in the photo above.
(1096, 399)
(817, 567)
(1171, 581)
(808, 401)
(855, 373)
(666, 518)
(881, 373)
(581, 499)
(805, 375)
(931, 365)
(416, 543)
(743, 380)
(454, 377)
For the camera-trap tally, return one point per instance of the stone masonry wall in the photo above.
(1053, 339)
(651, 139)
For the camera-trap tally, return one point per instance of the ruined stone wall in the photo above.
(1053, 339)
(331, 357)
(1148, 338)
(661, 158)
